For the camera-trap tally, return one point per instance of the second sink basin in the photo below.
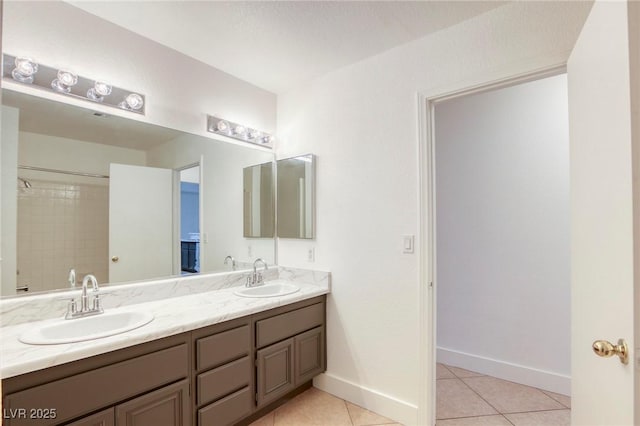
(89, 328)
(269, 289)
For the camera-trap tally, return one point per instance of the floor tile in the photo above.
(497, 420)
(462, 373)
(562, 399)
(313, 407)
(442, 372)
(455, 399)
(509, 397)
(266, 420)
(363, 417)
(541, 418)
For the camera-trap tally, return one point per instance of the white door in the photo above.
(602, 263)
(140, 222)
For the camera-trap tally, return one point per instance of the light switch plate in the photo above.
(408, 243)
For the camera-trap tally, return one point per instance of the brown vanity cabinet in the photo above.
(213, 376)
(290, 347)
(124, 387)
(223, 373)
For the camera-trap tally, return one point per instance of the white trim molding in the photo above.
(546, 380)
(380, 403)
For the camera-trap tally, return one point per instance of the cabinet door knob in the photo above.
(115, 259)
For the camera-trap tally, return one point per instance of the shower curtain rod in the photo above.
(42, 169)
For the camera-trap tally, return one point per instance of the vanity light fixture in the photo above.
(239, 131)
(65, 81)
(24, 70)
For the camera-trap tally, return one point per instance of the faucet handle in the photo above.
(72, 308)
(96, 301)
(259, 278)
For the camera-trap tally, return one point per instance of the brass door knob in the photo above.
(606, 349)
(115, 259)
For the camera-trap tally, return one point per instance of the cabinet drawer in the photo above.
(168, 406)
(223, 380)
(103, 386)
(221, 348)
(285, 325)
(103, 418)
(228, 410)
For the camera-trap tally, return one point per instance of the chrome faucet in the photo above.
(72, 278)
(85, 310)
(233, 262)
(256, 277)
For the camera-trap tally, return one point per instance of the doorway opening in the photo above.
(190, 220)
(502, 253)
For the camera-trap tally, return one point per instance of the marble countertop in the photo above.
(172, 316)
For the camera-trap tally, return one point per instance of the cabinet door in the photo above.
(103, 418)
(309, 355)
(275, 371)
(168, 406)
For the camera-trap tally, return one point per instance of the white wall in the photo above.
(503, 267)
(54, 152)
(222, 196)
(8, 191)
(361, 121)
(179, 90)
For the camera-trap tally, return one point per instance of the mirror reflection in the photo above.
(296, 197)
(259, 201)
(117, 198)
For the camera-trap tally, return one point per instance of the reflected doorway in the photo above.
(190, 220)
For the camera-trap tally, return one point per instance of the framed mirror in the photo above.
(296, 197)
(108, 196)
(258, 192)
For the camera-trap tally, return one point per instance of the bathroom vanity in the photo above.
(229, 372)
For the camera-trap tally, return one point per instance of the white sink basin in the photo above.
(89, 328)
(269, 289)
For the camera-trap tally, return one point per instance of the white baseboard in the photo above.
(546, 380)
(385, 405)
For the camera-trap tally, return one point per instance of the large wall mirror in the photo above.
(296, 197)
(118, 198)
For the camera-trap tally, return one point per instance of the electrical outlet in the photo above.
(311, 254)
(249, 251)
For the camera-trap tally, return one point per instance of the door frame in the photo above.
(426, 102)
(177, 265)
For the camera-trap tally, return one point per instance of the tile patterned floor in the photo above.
(464, 398)
(317, 408)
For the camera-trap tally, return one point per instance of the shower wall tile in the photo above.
(61, 226)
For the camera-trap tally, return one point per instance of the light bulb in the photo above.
(64, 82)
(222, 126)
(24, 70)
(239, 130)
(99, 90)
(132, 102)
(254, 134)
(268, 139)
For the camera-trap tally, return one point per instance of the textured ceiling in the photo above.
(278, 45)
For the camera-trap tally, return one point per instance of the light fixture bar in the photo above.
(27, 71)
(238, 131)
